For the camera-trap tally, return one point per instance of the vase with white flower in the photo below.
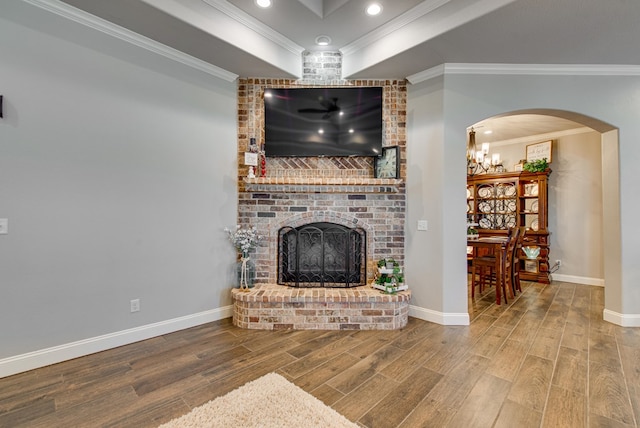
(245, 240)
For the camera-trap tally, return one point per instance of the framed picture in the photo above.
(531, 266)
(251, 158)
(387, 165)
(539, 151)
(518, 167)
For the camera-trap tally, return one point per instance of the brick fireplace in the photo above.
(340, 190)
(377, 209)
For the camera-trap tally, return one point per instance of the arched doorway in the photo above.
(605, 241)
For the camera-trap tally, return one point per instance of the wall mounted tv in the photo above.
(323, 121)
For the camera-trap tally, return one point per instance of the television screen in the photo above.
(323, 121)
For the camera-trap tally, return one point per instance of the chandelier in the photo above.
(479, 161)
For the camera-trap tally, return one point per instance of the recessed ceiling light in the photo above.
(374, 9)
(488, 131)
(323, 40)
(263, 3)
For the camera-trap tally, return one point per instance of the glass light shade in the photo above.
(471, 146)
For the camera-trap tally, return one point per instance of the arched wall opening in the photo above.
(607, 241)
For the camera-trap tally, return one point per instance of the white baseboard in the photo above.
(44, 357)
(439, 317)
(624, 320)
(578, 279)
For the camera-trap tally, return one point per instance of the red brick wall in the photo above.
(302, 190)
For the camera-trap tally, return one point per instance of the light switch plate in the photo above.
(423, 225)
(4, 226)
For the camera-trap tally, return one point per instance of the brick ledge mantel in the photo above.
(322, 184)
(277, 307)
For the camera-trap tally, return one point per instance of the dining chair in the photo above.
(515, 274)
(483, 270)
(511, 278)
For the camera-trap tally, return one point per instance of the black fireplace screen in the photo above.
(322, 255)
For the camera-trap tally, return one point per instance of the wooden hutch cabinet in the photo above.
(497, 202)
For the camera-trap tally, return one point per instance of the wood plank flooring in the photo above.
(546, 359)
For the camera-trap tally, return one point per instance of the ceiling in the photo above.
(408, 37)
(519, 128)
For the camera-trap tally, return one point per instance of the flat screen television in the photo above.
(323, 121)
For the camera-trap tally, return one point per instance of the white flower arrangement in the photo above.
(243, 239)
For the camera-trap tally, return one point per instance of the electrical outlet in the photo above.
(135, 305)
(4, 226)
(558, 263)
(423, 225)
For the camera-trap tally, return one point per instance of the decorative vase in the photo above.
(531, 252)
(246, 272)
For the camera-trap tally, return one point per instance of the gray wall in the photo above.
(117, 175)
(468, 99)
(575, 202)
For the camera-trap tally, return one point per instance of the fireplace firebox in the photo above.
(322, 255)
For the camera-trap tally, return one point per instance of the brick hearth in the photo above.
(277, 307)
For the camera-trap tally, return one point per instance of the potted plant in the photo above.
(539, 165)
(389, 277)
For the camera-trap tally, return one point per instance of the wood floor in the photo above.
(544, 360)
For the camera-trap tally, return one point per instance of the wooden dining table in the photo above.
(499, 247)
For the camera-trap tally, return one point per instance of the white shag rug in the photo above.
(269, 401)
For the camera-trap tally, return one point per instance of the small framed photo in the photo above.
(518, 167)
(251, 158)
(531, 266)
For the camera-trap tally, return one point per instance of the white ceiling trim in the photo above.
(69, 12)
(528, 69)
(541, 69)
(253, 24)
(393, 25)
(431, 73)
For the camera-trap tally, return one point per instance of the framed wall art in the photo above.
(539, 151)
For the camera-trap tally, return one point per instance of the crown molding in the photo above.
(253, 24)
(527, 69)
(71, 13)
(395, 24)
(428, 74)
